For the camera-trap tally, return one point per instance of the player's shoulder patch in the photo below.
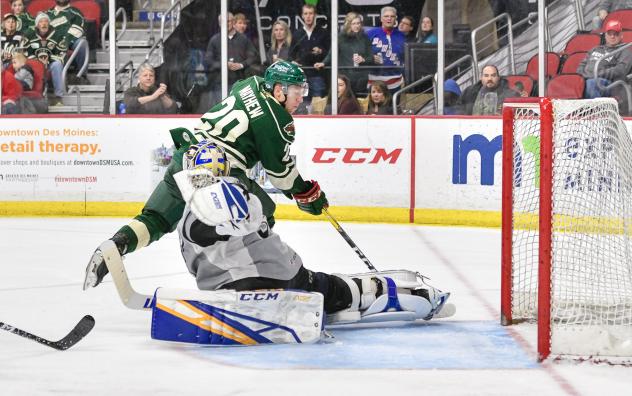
(289, 129)
(182, 137)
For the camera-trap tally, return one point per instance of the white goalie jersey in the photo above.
(224, 237)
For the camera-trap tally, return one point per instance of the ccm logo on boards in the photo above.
(327, 155)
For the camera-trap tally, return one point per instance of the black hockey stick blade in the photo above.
(82, 328)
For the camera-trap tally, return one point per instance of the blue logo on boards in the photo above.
(487, 150)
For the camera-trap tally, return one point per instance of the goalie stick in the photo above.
(82, 328)
(128, 295)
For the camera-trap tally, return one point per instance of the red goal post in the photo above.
(566, 225)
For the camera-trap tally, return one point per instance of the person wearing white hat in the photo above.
(50, 47)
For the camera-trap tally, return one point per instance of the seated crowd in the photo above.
(40, 44)
(370, 62)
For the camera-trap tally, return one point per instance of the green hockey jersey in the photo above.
(252, 127)
(54, 46)
(68, 21)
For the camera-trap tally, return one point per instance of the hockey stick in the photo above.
(82, 328)
(349, 240)
(128, 295)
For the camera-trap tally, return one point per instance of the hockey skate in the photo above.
(384, 296)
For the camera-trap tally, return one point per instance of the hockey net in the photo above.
(567, 208)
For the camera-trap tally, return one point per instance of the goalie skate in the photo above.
(385, 296)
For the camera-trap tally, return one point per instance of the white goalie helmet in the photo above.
(207, 155)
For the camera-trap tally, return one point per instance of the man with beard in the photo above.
(486, 97)
(69, 22)
(50, 47)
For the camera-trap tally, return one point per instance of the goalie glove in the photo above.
(312, 200)
(96, 269)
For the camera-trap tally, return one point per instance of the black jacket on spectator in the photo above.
(302, 45)
(133, 106)
(240, 50)
(613, 67)
(465, 105)
(349, 44)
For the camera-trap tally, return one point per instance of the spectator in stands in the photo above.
(241, 25)
(11, 93)
(25, 20)
(451, 95)
(309, 46)
(241, 54)
(607, 6)
(611, 68)
(354, 49)
(388, 49)
(427, 31)
(407, 26)
(379, 99)
(486, 96)
(146, 98)
(347, 102)
(281, 42)
(23, 73)
(49, 46)
(10, 38)
(69, 22)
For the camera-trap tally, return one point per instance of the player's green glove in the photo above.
(312, 200)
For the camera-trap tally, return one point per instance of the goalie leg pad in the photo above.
(228, 317)
(399, 295)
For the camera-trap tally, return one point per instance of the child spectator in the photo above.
(281, 41)
(347, 103)
(379, 99)
(23, 73)
(11, 38)
(451, 94)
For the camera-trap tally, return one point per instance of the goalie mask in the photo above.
(207, 155)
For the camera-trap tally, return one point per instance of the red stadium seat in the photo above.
(572, 61)
(627, 36)
(552, 64)
(623, 16)
(6, 6)
(526, 81)
(582, 42)
(39, 5)
(566, 86)
(91, 11)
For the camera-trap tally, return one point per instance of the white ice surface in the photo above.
(41, 268)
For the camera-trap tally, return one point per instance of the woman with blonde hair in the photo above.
(281, 41)
(354, 51)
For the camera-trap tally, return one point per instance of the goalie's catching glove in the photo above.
(312, 200)
(96, 269)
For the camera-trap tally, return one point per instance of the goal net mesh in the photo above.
(591, 256)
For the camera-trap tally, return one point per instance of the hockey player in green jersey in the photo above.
(225, 225)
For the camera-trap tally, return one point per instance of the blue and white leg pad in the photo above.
(398, 301)
(228, 317)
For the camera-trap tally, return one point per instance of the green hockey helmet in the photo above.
(286, 74)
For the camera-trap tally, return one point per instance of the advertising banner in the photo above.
(358, 162)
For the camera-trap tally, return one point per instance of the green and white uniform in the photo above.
(68, 21)
(252, 127)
